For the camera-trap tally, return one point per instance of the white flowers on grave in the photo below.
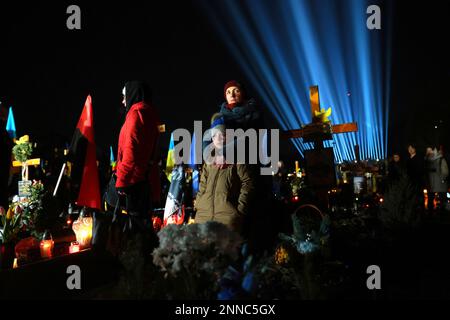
(196, 249)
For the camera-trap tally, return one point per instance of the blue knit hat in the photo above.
(217, 124)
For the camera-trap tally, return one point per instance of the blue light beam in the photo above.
(286, 46)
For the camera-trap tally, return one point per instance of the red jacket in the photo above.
(137, 144)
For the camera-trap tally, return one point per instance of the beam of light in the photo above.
(286, 46)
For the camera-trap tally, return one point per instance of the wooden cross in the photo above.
(317, 131)
(320, 168)
(31, 162)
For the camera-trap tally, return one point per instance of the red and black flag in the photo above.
(82, 155)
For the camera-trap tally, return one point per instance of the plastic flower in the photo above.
(323, 115)
(23, 139)
(281, 256)
(10, 224)
(249, 283)
(23, 149)
(306, 247)
(10, 214)
(229, 293)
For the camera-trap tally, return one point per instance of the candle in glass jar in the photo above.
(83, 231)
(46, 248)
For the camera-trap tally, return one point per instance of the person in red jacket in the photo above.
(137, 167)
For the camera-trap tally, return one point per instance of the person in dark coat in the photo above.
(395, 167)
(242, 112)
(415, 169)
(5, 158)
(280, 186)
(239, 111)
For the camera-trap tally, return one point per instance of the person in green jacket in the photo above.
(226, 190)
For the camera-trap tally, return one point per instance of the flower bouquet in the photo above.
(33, 210)
(9, 229)
(22, 152)
(193, 257)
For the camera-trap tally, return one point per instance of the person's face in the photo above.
(218, 140)
(396, 158)
(429, 151)
(411, 150)
(234, 95)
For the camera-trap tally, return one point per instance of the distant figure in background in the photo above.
(280, 186)
(437, 174)
(6, 145)
(395, 168)
(415, 171)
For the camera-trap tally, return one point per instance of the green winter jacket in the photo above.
(224, 195)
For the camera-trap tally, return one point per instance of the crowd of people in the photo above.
(427, 174)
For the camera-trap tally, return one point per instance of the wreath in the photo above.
(23, 149)
(310, 229)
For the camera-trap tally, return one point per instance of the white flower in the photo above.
(196, 248)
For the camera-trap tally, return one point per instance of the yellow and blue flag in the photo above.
(112, 161)
(170, 163)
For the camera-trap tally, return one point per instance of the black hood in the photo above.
(136, 91)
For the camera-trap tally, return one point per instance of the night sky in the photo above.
(47, 70)
(421, 75)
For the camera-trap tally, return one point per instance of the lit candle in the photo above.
(425, 198)
(74, 247)
(46, 248)
(15, 264)
(46, 245)
(83, 231)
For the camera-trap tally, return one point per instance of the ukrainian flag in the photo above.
(112, 161)
(11, 125)
(170, 163)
